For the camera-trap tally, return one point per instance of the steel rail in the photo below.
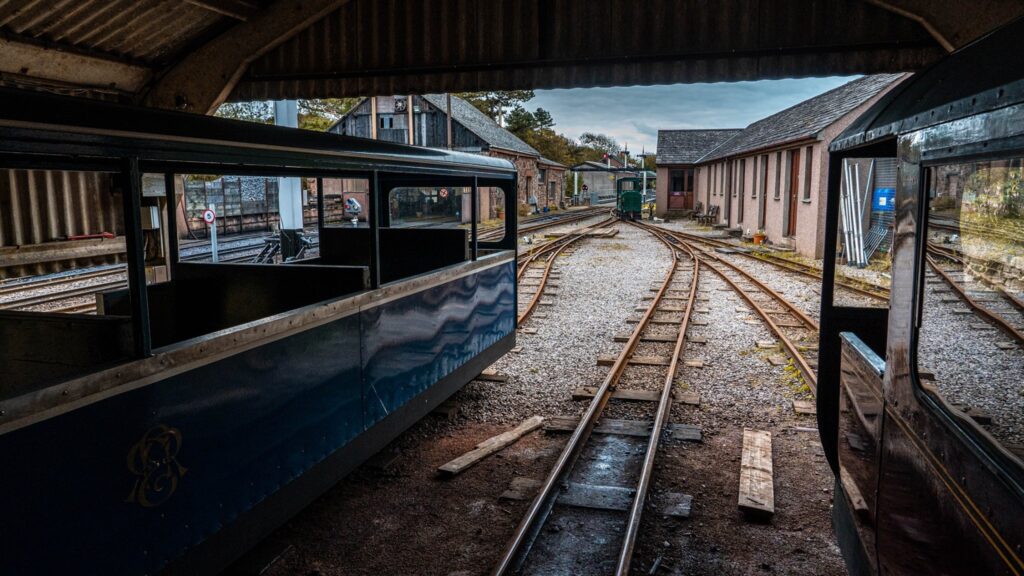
(529, 527)
(983, 311)
(809, 323)
(48, 282)
(856, 286)
(547, 272)
(63, 295)
(958, 257)
(661, 415)
(548, 247)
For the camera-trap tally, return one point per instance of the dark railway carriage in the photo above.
(920, 404)
(190, 417)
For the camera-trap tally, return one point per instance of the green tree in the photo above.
(313, 114)
(494, 104)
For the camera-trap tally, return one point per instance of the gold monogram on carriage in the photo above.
(153, 460)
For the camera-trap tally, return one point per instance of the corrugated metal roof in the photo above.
(689, 146)
(806, 119)
(148, 31)
(382, 47)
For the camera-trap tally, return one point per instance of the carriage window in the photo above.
(261, 219)
(62, 249)
(863, 250)
(972, 314)
(431, 207)
(491, 220)
(345, 201)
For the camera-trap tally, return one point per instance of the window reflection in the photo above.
(969, 348)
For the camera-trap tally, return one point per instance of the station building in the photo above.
(541, 181)
(677, 157)
(772, 175)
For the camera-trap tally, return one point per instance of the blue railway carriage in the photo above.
(204, 403)
(920, 400)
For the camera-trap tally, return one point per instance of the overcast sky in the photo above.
(634, 115)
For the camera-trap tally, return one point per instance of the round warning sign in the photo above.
(209, 216)
(443, 192)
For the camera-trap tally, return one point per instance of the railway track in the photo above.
(995, 304)
(857, 286)
(583, 539)
(542, 260)
(795, 330)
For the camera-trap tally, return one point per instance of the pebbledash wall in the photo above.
(752, 192)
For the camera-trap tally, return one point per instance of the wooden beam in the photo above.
(60, 251)
(202, 80)
(38, 64)
(237, 9)
(757, 494)
(490, 446)
(955, 23)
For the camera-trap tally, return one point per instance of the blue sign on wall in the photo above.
(884, 200)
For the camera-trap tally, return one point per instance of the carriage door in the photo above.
(852, 343)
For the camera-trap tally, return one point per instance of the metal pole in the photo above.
(131, 200)
(213, 234)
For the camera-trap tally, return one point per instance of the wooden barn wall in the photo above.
(48, 206)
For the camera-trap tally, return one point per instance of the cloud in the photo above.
(633, 115)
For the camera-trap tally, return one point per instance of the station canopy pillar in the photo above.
(289, 198)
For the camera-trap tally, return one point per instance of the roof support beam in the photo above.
(202, 80)
(41, 65)
(955, 23)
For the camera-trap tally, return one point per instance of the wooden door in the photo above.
(794, 191)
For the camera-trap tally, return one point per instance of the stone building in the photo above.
(541, 181)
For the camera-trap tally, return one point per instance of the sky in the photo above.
(633, 115)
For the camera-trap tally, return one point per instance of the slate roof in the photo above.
(689, 146)
(550, 162)
(804, 120)
(481, 124)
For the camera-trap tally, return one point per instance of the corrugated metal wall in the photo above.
(41, 206)
(416, 46)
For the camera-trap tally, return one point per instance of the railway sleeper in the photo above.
(616, 498)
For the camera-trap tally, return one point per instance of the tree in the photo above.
(313, 114)
(494, 104)
(600, 142)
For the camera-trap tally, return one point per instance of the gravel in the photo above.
(601, 282)
(970, 369)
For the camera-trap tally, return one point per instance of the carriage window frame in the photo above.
(969, 431)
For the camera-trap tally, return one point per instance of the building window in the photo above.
(675, 179)
(778, 174)
(741, 179)
(808, 164)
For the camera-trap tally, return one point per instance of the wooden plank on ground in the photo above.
(490, 446)
(804, 407)
(491, 375)
(448, 409)
(650, 338)
(757, 494)
(688, 398)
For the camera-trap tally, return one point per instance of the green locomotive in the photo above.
(629, 198)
